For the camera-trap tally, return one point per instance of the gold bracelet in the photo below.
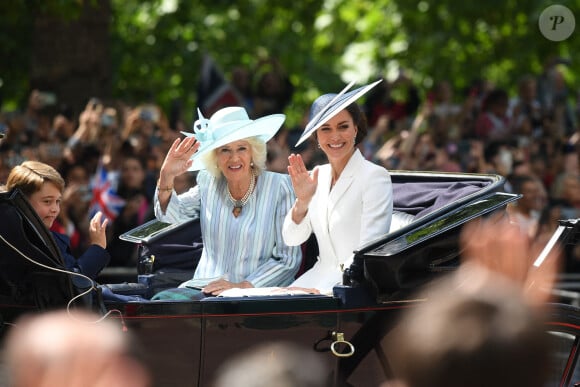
(166, 189)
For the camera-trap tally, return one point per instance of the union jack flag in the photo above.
(105, 198)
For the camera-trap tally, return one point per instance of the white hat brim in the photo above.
(264, 128)
(334, 108)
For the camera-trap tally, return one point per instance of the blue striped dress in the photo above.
(249, 247)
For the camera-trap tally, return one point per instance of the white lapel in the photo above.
(329, 199)
(324, 179)
(345, 180)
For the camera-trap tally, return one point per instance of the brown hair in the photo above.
(29, 177)
(360, 121)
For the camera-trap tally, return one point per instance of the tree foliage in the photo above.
(157, 45)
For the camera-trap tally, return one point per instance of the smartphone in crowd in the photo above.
(149, 113)
(3, 130)
(47, 98)
(107, 120)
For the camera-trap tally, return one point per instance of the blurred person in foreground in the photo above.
(58, 349)
(485, 321)
(276, 364)
(345, 203)
(241, 206)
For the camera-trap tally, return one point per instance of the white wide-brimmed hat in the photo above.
(328, 105)
(228, 125)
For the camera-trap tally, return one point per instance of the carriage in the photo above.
(184, 342)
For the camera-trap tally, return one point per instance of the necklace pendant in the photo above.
(239, 204)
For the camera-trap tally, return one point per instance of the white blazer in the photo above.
(357, 210)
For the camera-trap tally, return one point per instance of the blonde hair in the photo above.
(29, 177)
(259, 154)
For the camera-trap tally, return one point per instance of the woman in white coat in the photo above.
(345, 203)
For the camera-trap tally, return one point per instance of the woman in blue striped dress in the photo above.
(241, 206)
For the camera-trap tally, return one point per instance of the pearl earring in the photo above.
(318, 145)
(252, 164)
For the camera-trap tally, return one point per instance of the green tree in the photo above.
(156, 46)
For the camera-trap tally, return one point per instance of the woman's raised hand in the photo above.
(303, 182)
(178, 158)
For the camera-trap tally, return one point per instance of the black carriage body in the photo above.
(185, 342)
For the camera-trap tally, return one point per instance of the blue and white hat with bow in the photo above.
(228, 125)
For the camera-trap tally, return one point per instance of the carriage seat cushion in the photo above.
(400, 219)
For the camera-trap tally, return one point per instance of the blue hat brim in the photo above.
(263, 128)
(333, 107)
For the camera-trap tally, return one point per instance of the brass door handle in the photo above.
(338, 342)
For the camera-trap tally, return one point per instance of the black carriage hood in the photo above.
(394, 265)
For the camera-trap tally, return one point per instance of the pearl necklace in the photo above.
(238, 204)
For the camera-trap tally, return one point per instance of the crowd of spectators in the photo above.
(110, 153)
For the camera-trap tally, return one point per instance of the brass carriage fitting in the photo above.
(339, 339)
